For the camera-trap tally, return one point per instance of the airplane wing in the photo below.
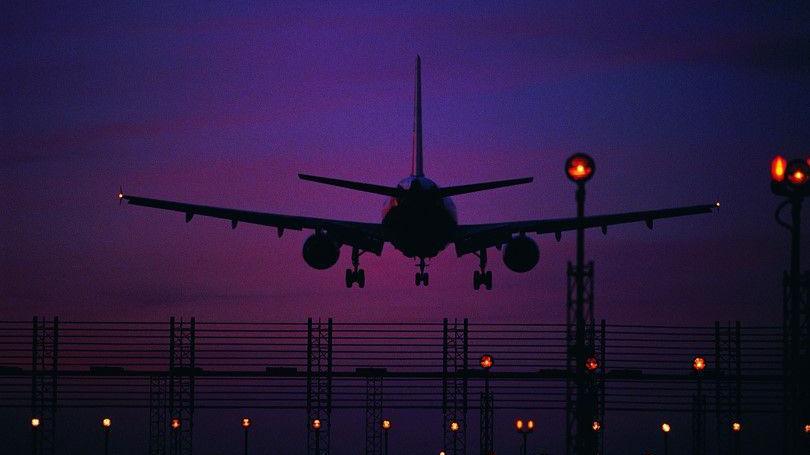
(474, 237)
(365, 236)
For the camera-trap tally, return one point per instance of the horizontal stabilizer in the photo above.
(358, 186)
(473, 187)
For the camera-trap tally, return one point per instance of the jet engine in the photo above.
(320, 252)
(521, 254)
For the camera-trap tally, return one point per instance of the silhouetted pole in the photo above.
(385, 442)
(106, 442)
(246, 427)
(580, 168)
(791, 179)
(525, 443)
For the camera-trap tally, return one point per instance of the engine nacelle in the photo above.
(521, 254)
(320, 252)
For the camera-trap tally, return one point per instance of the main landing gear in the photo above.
(483, 276)
(422, 276)
(355, 274)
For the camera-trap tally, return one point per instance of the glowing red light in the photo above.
(386, 424)
(175, 424)
(778, 166)
(591, 363)
(579, 167)
(699, 364)
(316, 424)
(486, 361)
(596, 425)
(245, 422)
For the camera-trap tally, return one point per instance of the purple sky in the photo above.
(224, 106)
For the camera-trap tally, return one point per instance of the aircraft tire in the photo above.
(361, 278)
(476, 280)
(425, 278)
(349, 278)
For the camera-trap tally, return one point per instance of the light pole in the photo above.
(106, 424)
(175, 426)
(316, 426)
(487, 442)
(524, 428)
(35, 423)
(386, 425)
(579, 168)
(736, 430)
(791, 180)
(666, 428)
(698, 443)
(246, 426)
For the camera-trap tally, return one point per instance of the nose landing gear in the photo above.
(421, 276)
(355, 274)
(483, 276)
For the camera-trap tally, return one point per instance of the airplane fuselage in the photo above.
(419, 225)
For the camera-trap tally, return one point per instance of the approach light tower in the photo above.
(582, 397)
(791, 180)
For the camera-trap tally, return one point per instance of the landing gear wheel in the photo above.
(418, 278)
(349, 278)
(482, 276)
(361, 278)
(421, 276)
(355, 274)
(425, 278)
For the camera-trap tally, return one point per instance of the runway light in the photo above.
(579, 167)
(106, 422)
(736, 427)
(591, 364)
(315, 424)
(665, 427)
(175, 424)
(245, 423)
(530, 425)
(807, 429)
(699, 364)
(454, 426)
(519, 425)
(35, 422)
(486, 361)
(386, 424)
(524, 426)
(596, 425)
(778, 166)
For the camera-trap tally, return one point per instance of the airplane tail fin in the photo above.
(416, 154)
(475, 187)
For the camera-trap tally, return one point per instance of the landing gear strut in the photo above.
(482, 276)
(421, 276)
(355, 274)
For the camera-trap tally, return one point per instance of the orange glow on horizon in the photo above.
(778, 166)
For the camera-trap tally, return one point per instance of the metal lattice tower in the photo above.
(487, 435)
(182, 340)
(454, 386)
(319, 385)
(44, 373)
(374, 407)
(727, 382)
(584, 391)
(158, 413)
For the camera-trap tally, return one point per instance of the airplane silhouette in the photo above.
(419, 220)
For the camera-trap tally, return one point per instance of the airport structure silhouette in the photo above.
(720, 373)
